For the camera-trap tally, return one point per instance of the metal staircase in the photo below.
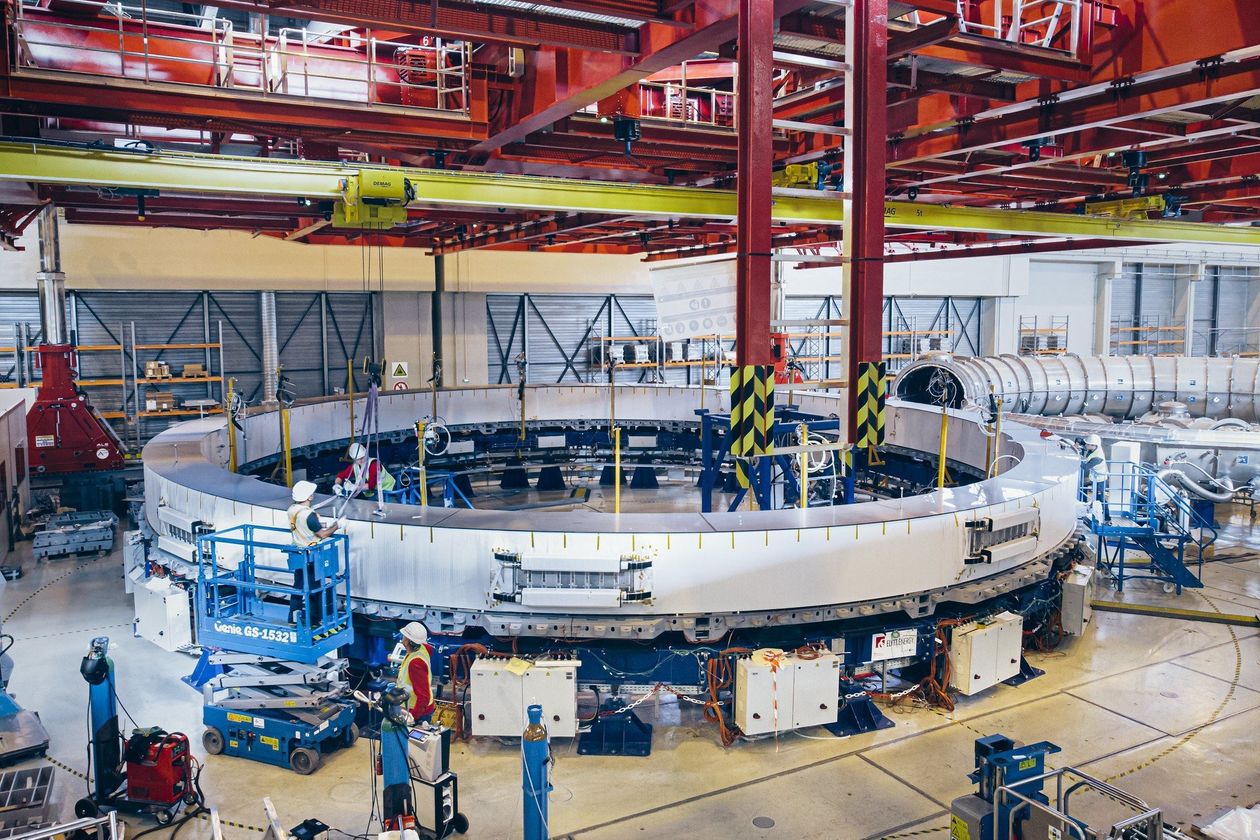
(1145, 514)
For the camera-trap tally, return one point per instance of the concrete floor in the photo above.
(1132, 688)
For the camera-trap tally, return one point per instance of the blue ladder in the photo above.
(1149, 516)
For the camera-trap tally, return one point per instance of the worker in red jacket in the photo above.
(365, 476)
(415, 674)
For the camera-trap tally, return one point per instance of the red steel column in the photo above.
(755, 163)
(870, 157)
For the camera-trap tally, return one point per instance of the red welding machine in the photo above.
(65, 433)
(159, 769)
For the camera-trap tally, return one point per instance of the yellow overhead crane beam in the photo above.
(325, 181)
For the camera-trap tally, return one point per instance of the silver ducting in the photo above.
(1176, 478)
(1122, 387)
(270, 349)
(50, 281)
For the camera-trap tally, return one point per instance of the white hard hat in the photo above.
(415, 633)
(356, 451)
(303, 490)
(1093, 441)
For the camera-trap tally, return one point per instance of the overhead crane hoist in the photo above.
(373, 198)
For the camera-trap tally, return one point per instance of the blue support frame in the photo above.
(410, 494)
(1143, 513)
(714, 452)
(250, 610)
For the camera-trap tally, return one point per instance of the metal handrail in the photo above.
(105, 822)
(1013, 23)
(282, 63)
(1142, 496)
(1060, 809)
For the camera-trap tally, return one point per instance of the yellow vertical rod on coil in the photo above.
(286, 440)
(997, 442)
(424, 476)
(988, 445)
(612, 395)
(616, 469)
(521, 434)
(940, 467)
(804, 432)
(350, 394)
(231, 428)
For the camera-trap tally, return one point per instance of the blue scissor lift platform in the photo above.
(270, 617)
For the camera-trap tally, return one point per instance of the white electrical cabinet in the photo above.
(983, 654)
(1078, 595)
(163, 614)
(500, 697)
(799, 693)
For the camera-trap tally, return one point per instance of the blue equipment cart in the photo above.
(270, 616)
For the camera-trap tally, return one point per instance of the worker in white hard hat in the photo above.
(1095, 466)
(307, 529)
(415, 674)
(363, 477)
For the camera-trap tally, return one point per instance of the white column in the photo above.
(1107, 272)
(1183, 305)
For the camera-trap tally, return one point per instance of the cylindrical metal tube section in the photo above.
(49, 240)
(270, 348)
(51, 283)
(1124, 387)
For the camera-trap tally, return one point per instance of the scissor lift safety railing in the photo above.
(258, 593)
(1143, 513)
(1056, 818)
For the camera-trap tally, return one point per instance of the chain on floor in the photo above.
(1216, 713)
(43, 588)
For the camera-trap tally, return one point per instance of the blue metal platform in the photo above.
(258, 593)
(1144, 514)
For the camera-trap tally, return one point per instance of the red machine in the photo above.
(158, 767)
(65, 434)
(786, 371)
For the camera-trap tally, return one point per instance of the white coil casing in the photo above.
(1123, 387)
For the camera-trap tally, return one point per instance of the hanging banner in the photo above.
(694, 300)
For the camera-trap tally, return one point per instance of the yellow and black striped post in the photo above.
(871, 393)
(752, 415)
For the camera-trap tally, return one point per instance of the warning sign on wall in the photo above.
(398, 373)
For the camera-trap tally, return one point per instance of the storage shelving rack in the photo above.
(179, 353)
(130, 383)
(1043, 335)
(907, 345)
(1152, 336)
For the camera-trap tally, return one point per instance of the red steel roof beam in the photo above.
(560, 83)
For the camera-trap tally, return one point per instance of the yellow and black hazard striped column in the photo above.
(752, 415)
(871, 393)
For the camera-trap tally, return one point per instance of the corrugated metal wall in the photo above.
(108, 318)
(562, 333)
(1221, 304)
(563, 336)
(1144, 309)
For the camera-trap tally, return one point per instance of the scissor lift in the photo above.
(270, 618)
